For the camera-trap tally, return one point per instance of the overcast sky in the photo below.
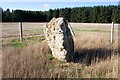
(49, 5)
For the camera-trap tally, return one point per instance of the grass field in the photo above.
(95, 56)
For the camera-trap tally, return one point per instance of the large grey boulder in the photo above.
(59, 36)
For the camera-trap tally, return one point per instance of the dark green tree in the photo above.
(56, 13)
(7, 15)
(96, 14)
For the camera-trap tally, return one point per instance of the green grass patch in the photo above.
(81, 68)
(17, 43)
(50, 57)
(90, 30)
(62, 62)
(33, 30)
(36, 38)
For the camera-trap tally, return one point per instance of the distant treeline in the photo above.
(96, 14)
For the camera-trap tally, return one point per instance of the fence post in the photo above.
(72, 32)
(20, 29)
(112, 32)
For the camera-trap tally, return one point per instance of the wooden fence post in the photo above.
(112, 32)
(20, 29)
(72, 32)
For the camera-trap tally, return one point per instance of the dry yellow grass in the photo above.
(94, 57)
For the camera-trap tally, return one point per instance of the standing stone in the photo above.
(59, 38)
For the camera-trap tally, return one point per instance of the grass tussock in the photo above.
(94, 57)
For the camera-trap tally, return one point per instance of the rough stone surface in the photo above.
(60, 39)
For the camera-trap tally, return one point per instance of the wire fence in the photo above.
(21, 30)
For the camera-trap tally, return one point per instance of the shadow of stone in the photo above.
(87, 56)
